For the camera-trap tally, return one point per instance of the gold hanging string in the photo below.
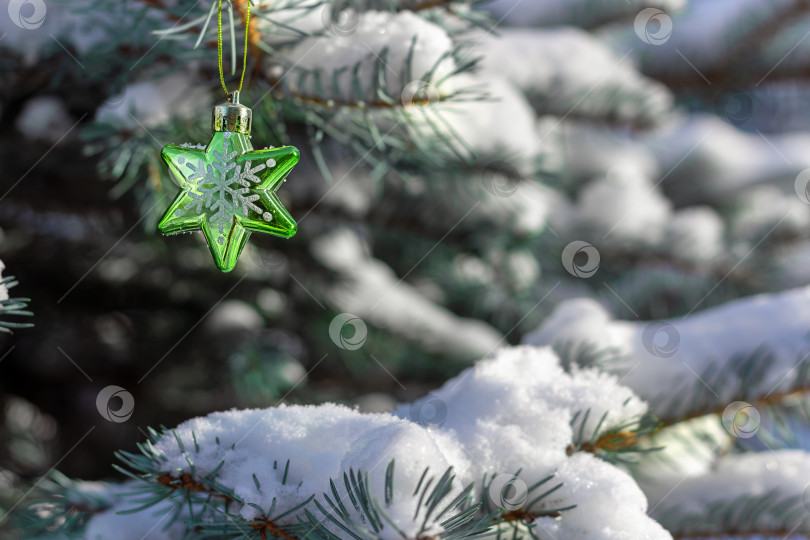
(219, 48)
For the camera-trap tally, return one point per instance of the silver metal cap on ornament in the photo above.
(232, 116)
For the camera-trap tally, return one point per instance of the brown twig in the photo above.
(608, 442)
(525, 516)
(188, 483)
(772, 399)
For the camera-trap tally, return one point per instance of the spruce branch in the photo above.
(440, 517)
(770, 514)
(15, 307)
(741, 373)
(213, 507)
(620, 444)
(533, 507)
(620, 14)
(59, 504)
(751, 34)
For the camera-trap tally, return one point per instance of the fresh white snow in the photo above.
(660, 360)
(506, 413)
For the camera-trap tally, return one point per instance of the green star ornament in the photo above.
(228, 188)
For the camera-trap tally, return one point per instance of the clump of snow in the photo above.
(155, 102)
(32, 28)
(413, 449)
(523, 269)
(512, 411)
(492, 409)
(233, 316)
(106, 523)
(600, 151)
(768, 210)
(3, 288)
(376, 34)
(260, 441)
(321, 443)
(624, 207)
(708, 160)
(784, 474)
(482, 124)
(370, 290)
(582, 320)
(527, 209)
(44, 118)
(695, 234)
(610, 506)
(111, 525)
(568, 64)
(792, 265)
(660, 360)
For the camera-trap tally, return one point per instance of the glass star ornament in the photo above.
(228, 188)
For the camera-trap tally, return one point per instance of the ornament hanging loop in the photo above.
(219, 47)
(232, 116)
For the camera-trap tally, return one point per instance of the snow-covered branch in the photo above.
(716, 357)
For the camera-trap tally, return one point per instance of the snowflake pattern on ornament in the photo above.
(228, 192)
(224, 187)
